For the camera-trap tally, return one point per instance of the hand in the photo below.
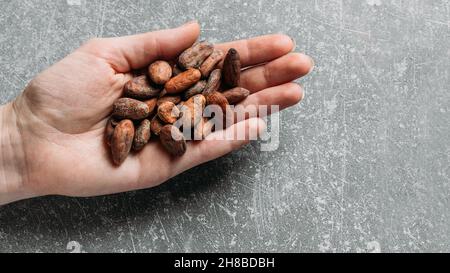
(56, 125)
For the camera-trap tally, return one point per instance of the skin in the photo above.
(51, 140)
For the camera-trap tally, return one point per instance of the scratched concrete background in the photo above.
(363, 164)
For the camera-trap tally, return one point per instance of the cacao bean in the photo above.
(122, 141)
(142, 135)
(126, 108)
(214, 82)
(236, 95)
(183, 81)
(193, 111)
(160, 72)
(173, 140)
(209, 64)
(194, 90)
(156, 125)
(232, 69)
(140, 88)
(168, 112)
(203, 129)
(195, 56)
(218, 99)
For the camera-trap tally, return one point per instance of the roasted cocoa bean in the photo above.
(126, 108)
(183, 81)
(195, 56)
(156, 125)
(236, 95)
(142, 135)
(122, 141)
(193, 111)
(160, 72)
(214, 82)
(140, 88)
(173, 99)
(168, 112)
(211, 62)
(173, 140)
(194, 90)
(232, 69)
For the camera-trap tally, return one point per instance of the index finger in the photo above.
(260, 49)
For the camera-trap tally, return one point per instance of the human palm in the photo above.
(62, 114)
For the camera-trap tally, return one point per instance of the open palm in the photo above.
(62, 113)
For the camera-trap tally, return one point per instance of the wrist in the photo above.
(13, 178)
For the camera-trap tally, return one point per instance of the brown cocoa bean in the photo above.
(193, 111)
(126, 108)
(168, 112)
(194, 90)
(142, 135)
(183, 81)
(211, 62)
(173, 99)
(140, 88)
(173, 140)
(122, 141)
(232, 69)
(218, 99)
(160, 72)
(214, 82)
(151, 105)
(236, 95)
(195, 56)
(156, 125)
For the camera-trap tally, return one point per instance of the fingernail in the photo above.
(190, 23)
(295, 44)
(313, 65)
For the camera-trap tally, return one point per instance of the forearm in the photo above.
(13, 178)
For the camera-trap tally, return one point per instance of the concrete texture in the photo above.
(363, 164)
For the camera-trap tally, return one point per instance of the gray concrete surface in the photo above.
(363, 164)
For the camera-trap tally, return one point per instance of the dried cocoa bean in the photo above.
(122, 141)
(173, 99)
(214, 82)
(232, 69)
(194, 90)
(156, 125)
(151, 105)
(236, 95)
(195, 56)
(142, 135)
(126, 108)
(160, 72)
(168, 112)
(173, 140)
(218, 99)
(140, 88)
(209, 64)
(193, 110)
(183, 81)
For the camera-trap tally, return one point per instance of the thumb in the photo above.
(137, 51)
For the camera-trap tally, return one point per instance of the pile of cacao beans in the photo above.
(172, 91)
